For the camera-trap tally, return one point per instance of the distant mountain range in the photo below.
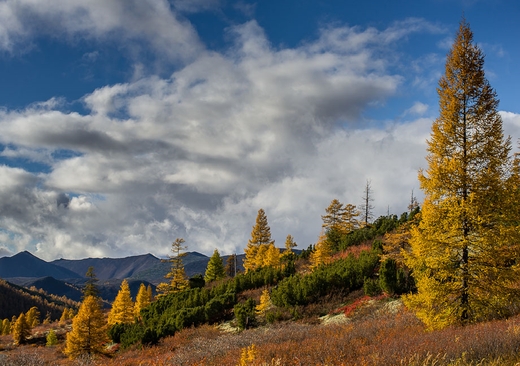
(65, 277)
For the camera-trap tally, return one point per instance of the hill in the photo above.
(15, 299)
(109, 268)
(24, 264)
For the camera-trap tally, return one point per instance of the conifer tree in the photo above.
(149, 292)
(265, 303)
(21, 330)
(322, 253)
(465, 249)
(215, 269)
(260, 236)
(231, 265)
(90, 288)
(340, 218)
(88, 333)
(64, 315)
(51, 338)
(179, 280)
(32, 317)
(123, 307)
(272, 257)
(6, 327)
(289, 244)
(142, 300)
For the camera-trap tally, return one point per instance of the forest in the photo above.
(437, 285)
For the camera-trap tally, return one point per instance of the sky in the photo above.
(125, 124)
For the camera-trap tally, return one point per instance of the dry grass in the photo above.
(379, 333)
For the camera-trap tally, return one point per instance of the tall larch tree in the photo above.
(260, 238)
(142, 300)
(88, 334)
(20, 330)
(177, 275)
(33, 317)
(464, 252)
(215, 269)
(123, 309)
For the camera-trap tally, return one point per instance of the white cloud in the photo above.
(197, 154)
(141, 23)
(418, 109)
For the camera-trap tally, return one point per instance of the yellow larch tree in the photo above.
(6, 327)
(123, 308)
(20, 330)
(265, 303)
(258, 244)
(272, 256)
(289, 244)
(322, 253)
(32, 317)
(88, 334)
(142, 300)
(464, 253)
(177, 275)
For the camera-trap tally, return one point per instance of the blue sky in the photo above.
(126, 124)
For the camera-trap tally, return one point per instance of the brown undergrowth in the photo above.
(382, 337)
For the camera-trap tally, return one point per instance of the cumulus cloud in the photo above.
(138, 22)
(197, 154)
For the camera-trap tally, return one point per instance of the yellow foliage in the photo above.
(248, 355)
(88, 334)
(258, 244)
(342, 219)
(179, 280)
(265, 303)
(322, 253)
(464, 251)
(20, 330)
(142, 300)
(123, 307)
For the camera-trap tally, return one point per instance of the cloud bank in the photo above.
(196, 154)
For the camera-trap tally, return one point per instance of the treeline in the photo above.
(15, 300)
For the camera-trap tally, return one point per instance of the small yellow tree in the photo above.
(51, 338)
(289, 244)
(322, 253)
(21, 330)
(179, 280)
(6, 327)
(64, 315)
(265, 303)
(32, 317)
(88, 334)
(257, 245)
(142, 300)
(123, 307)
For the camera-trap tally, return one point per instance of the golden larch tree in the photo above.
(258, 244)
(322, 253)
(142, 300)
(32, 317)
(6, 327)
(20, 330)
(178, 279)
(464, 253)
(289, 244)
(272, 257)
(123, 309)
(88, 334)
(340, 218)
